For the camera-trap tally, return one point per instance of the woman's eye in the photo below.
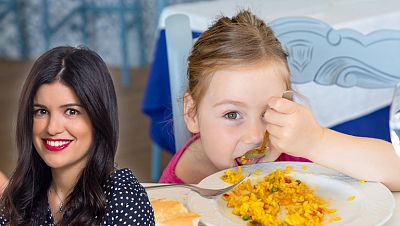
(232, 115)
(39, 112)
(72, 112)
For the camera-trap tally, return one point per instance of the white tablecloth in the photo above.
(339, 104)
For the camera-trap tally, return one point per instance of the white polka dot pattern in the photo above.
(127, 202)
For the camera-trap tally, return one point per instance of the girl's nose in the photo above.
(55, 125)
(255, 134)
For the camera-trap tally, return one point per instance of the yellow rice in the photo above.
(276, 200)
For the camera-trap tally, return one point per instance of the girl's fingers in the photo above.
(275, 132)
(276, 118)
(282, 105)
(281, 137)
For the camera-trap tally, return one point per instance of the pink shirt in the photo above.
(169, 176)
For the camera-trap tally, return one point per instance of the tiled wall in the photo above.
(103, 27)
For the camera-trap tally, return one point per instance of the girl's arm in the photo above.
(293, 130)
(363, 158)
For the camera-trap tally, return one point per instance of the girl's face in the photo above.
(230, 117)
(62, 130)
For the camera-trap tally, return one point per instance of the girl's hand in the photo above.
(292, 128)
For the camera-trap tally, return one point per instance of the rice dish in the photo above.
(277, 199)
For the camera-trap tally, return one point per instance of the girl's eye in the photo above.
(72, 112)
(232, 115)
(40, 112)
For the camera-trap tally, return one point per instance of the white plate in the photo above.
(373, 204)
(175, 193)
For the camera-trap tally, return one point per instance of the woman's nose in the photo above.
(55, 125)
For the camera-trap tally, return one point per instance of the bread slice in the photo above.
(169, 212)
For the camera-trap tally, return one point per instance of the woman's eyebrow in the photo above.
(39, 106)
(63, 106)
(72, 105)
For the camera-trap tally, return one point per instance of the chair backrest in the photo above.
(317, 53)
(344, 57)
(179, 42)
(345, 74)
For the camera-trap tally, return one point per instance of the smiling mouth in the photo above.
(56, 145)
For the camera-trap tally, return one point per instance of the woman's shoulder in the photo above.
(122, 181)
(3, 221)
(127, 200)
(123, 176)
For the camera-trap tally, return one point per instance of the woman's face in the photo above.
(62, 130)
(230, 117)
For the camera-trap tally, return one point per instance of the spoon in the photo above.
(253, 155)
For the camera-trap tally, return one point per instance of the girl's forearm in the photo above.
(359, 157)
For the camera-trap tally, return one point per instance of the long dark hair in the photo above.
(24, 201)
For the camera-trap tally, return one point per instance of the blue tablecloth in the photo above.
(157, 97)
(157, 105)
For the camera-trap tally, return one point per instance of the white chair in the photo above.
(343, 64)
(179, 42)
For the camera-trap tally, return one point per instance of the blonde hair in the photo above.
(244, 39)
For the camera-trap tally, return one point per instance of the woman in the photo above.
(67, 136)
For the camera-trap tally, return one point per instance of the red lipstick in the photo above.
(56, 144)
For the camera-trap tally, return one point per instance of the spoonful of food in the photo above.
(254, 155)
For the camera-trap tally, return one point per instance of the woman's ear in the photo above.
(189, 114)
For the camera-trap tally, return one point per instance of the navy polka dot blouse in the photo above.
(127, 202)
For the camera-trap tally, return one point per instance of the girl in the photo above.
(237, 74)
(67, 135)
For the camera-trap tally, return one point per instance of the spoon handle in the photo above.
(264, 142)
